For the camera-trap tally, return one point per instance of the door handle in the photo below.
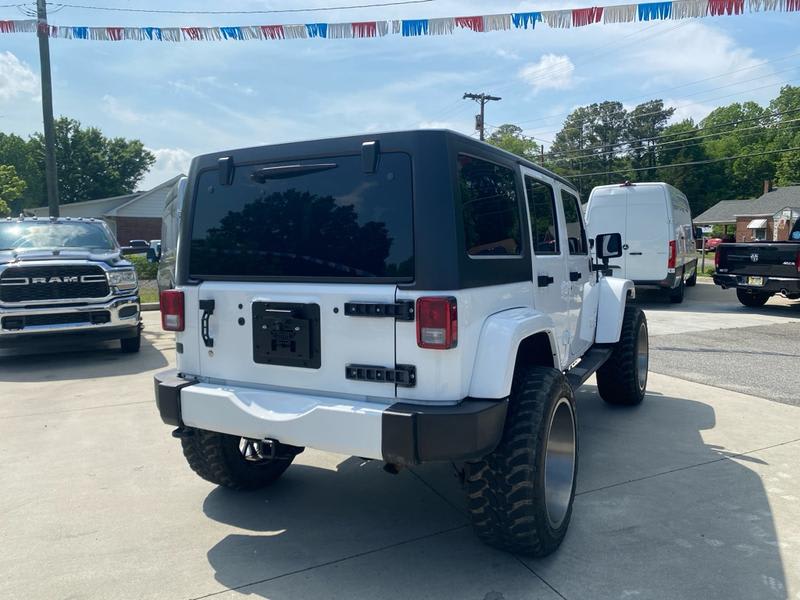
(575, 275)
(207, 306)
(636, 253)
(544, 280)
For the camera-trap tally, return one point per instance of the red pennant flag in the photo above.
(725, 7)
(474, 23)
(792, 4)
(586, 16)
(273, 32)
(365, 29)
(193, 33)
(7, 27)
(114, 33)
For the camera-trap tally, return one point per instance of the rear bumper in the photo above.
(772, 285)
(398, 432)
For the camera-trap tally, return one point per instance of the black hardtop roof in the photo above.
(353, 143)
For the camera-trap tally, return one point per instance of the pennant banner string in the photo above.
(557, 19)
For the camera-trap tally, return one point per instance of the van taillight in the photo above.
(437, 322)
(171, 302)
(673, 254)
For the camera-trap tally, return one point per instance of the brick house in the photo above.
(769, 217)
(135, 216)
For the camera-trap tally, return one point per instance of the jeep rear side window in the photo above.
(576, 236)
(489, 207)
(321, 218)
(542, 206)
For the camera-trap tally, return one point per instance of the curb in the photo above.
(150, 306)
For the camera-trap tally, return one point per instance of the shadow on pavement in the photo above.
(70, 359)
(659, 514)
(702, 300)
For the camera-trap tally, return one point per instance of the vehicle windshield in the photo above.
(27, 235)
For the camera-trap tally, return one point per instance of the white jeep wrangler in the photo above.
(404, 297)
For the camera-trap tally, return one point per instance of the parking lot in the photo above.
(694, 494)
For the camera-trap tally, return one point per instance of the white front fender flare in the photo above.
(611, 308)
(500, 338)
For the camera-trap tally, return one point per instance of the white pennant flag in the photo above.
(624, 13)
(497, 22)
(689, 9)
(561, 19)
(443, 26)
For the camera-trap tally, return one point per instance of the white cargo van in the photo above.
(657, 233)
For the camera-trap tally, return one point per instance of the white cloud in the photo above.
(119, 111)
(169, 163)
(551, 72)
(16, 78)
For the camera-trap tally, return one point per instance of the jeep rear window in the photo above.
(322, 218)
(489, 208)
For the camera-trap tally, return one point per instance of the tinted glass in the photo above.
(30, 234)
(329, 219)
(576, 236)
(489, 207)
(542, 206)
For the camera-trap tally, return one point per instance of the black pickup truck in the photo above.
(759, 270)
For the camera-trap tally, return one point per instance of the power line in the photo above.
(684, 105)
(670, 89)
(237, 12)
(559, 157)
(482, 99)
(689, 164)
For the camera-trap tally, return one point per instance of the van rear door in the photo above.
(647, 233)
(297, 268)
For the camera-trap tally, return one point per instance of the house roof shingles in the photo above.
(770, 203)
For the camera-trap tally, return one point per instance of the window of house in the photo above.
(544, 223)
(759, 234)
(489, 208)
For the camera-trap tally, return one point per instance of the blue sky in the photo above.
(193, 97)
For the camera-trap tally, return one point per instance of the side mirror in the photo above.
(608, 245)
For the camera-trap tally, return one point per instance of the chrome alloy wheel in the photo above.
(559, 462)
(642, 356)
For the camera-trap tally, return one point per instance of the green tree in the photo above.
(90, 165)
(509, 137)
(787, 134)
(644, 126)
(592, 141)
(11, 188)
(18, 153)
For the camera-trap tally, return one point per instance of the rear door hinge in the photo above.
(401, 375)
(402, 310)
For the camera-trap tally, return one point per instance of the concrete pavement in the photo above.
(695, 494)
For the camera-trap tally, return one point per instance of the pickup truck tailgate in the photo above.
(770, 259)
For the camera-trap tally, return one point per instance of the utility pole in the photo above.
(479, 119)
(43, 31)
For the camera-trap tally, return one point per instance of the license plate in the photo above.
(755, 281)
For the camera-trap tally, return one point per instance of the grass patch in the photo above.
(148, 295)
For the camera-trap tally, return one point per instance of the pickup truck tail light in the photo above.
(717, 256)
(437, 322)
(673, 254)
(172, 313)
(797, 261)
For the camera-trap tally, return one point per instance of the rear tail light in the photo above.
(797, 261)
(437, 322)
(172, 310)
(673, 254)
(717, 256)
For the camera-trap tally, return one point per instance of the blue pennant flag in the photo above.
(152, 33)
(232, 33)
(521, 20)
(655, 10)
(80, 33)
(415, 27)
(317, 30)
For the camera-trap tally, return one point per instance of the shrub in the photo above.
(144, 269)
